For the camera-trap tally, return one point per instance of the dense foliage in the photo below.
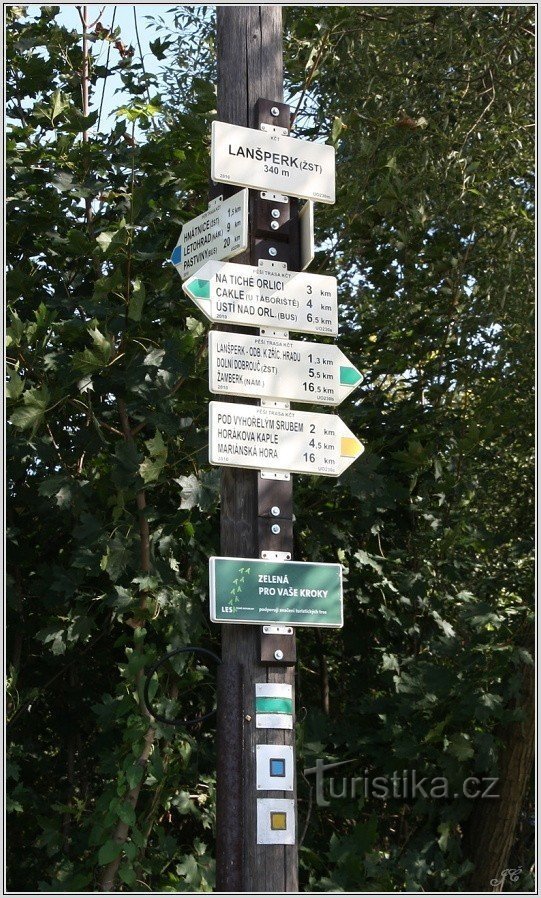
(113, 509)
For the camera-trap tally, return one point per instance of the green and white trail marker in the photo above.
(252, 591)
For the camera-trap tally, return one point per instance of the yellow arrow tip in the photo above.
(350, 447)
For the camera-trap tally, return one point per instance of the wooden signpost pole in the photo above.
(256, 514)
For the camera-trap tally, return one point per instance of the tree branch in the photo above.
(122, 829)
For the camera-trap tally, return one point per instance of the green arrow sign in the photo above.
(298, 593)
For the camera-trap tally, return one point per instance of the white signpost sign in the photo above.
(272, 368)
(270, 297)
(278, 439)
(267, 160)
(219, 233)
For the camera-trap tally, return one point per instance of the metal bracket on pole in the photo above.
(274, 129)
(277, 630)
(275, 475)
(268, 555)
(275, 216)
(216, 201)
(273, 197)
(278, 646)
(269, 474)
(271, 332)
(274, 403)
(272, 265)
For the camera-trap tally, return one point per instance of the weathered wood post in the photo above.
(256, 514)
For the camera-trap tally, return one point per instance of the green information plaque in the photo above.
(298, 593)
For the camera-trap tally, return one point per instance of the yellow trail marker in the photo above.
(350, 447)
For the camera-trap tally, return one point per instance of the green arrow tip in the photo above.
(349, 376)
(200, 288)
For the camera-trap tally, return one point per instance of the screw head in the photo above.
(275, 511)
(275, 213)
(274, 225)
(278, 654)
(275, 528)
(275, 111)
(273, 251)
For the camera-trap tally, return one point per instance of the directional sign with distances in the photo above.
(277, 439)
(253, 591)
(219, 233)
(265, 297)
(266, 160)
(271, 368)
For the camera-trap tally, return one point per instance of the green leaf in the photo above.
(365, 559)
(15, 331)
(130, 850)
(59, 102)
(138, 110)
(390, 662)
(203, 491)
(54, 635)
(445, 831)
(337, 127)
(123, 600)
(104, 345)
(104, 240)
(13, 771)
(108, 852)
(137, 836)
(447, 628)
(154, 358)
(125, 471)
(151, 468)
(32, 412)
(90, 361)
(137, 300)
(188, 869)
(460, 747)
(134, 775)
(127, 874)
(127, 814)
(15, 384)
(78, 122)
(116, 558)
(158, 48)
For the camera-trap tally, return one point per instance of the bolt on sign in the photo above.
(269, 296)
(252, 591)
(278, 439)
(273, 368)
(268, 160)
